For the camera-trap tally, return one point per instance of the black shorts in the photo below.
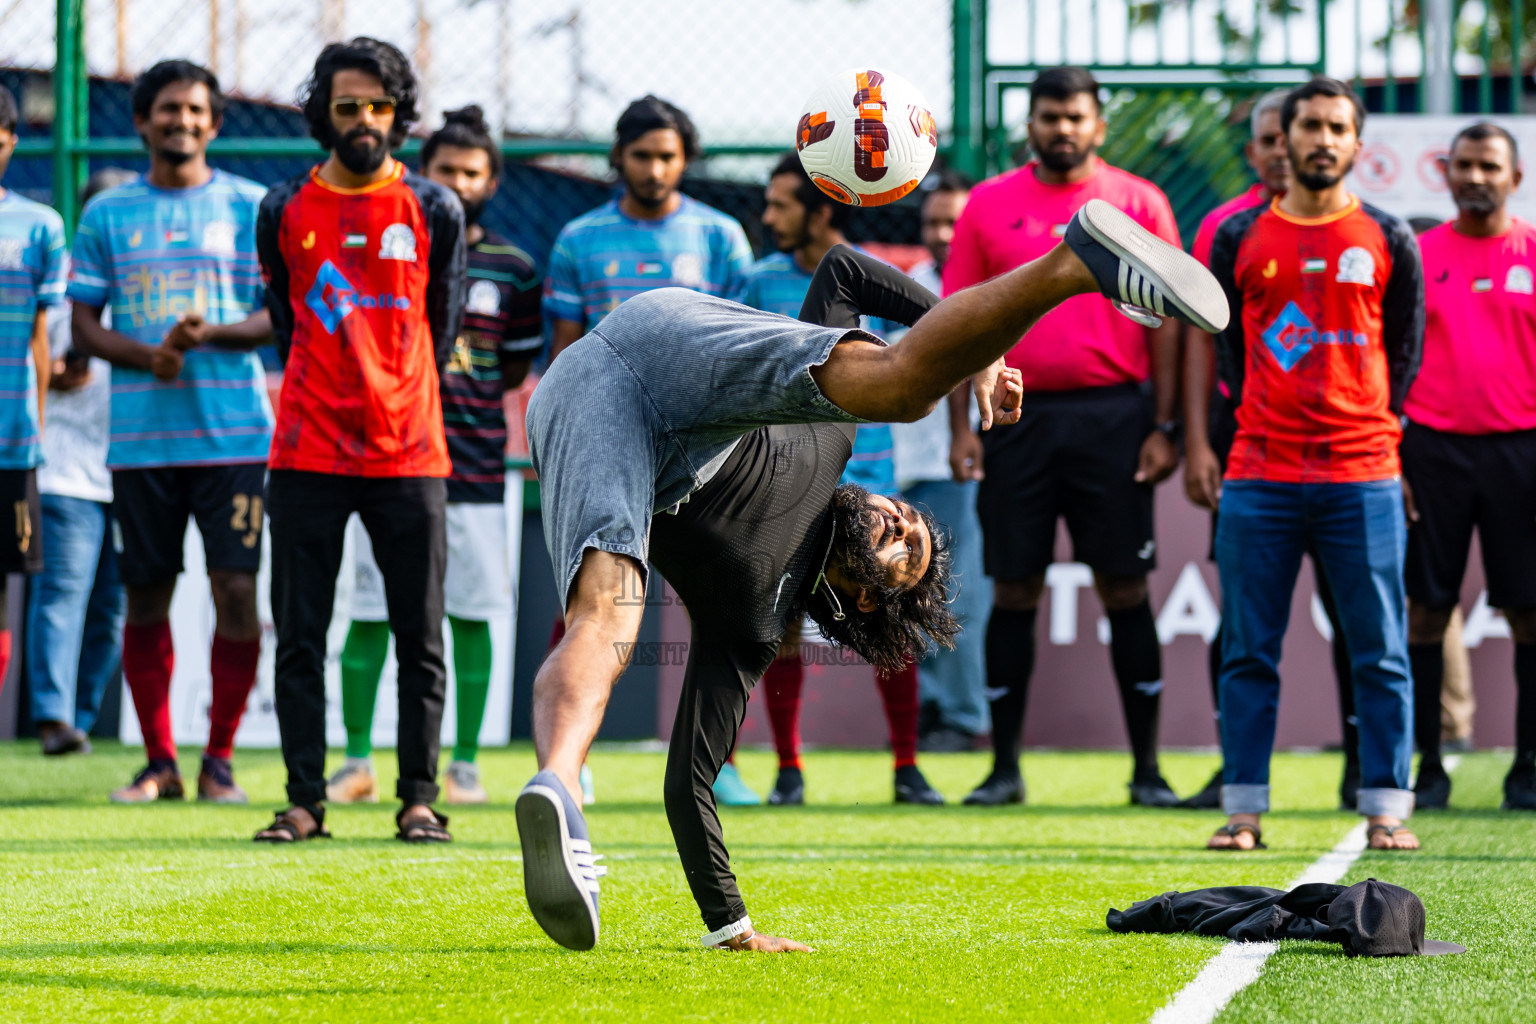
(151, 508)
(1464, 480)
(22, 550)
(1072, 454)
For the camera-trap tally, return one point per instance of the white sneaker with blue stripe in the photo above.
(560, 871)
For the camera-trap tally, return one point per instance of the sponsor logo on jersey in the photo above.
(12, 254)
(484, 299)
(1270, 269)
(1518, 280)
(1356, 266)
(309, 241)
(136, 239)
(688, 269)
(1292, 336)
(219, 236)
(1313, 266)
(398, 242)
(332, 298)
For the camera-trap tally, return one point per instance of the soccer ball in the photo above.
(866, 137)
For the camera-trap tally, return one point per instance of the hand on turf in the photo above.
(999, 393)
(1202, 476)
(165, 363)
(757, 942)
(965, 456)
(1158, 459)
(1410, 507)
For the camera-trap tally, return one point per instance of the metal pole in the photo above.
(1439, 47)
(1516, 66)
(965, 153)
(68, 112)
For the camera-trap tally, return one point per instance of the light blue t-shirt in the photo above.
(151, 256)
(604, 257)
(777, 284)
(34, 264)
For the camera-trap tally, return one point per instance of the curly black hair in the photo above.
(466, 129)
(377, 58)
(904, 624)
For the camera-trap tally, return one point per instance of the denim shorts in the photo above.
(641, 412)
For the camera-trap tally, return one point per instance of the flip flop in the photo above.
(1233, 831)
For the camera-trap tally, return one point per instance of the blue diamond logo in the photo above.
(1290, 337)
(330, 297)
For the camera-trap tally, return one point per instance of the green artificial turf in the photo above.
(171, 913)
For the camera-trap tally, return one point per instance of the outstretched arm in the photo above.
(716, 684)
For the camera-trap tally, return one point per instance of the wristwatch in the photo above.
(1173, 430)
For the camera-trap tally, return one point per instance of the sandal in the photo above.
(1390, 831)
(432, 830)
(285, 830)
(1233, 831)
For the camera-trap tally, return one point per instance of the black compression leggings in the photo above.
(849, 284)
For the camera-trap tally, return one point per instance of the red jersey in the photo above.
(1479, 373)
(366, 290)
(1014, 218)
(1206, 232)
(1326, 331)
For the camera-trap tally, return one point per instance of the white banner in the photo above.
(192, 632)
(1399, 165)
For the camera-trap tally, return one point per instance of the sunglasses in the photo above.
(353, 106)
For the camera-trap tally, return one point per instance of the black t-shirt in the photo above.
(745, 549)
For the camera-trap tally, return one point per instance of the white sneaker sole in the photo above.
(556, 893)
(1180, 277)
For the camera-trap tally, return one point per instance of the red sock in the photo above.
(782, 684)
(898, 690)
(5, 654)
(148, 659)
(233, 666)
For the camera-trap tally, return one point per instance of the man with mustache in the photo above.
(172, 257)
(650, 236)
(365, 268)
(805, 224)
(491, 355)
(1208, 430)
(1469, 449)
(1327, 301)
(1088, 448)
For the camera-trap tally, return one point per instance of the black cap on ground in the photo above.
(1374, 918)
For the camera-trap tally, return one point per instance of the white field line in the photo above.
(1238, 965)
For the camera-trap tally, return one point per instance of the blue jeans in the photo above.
(956, 680)
(1358, 535)
(75, 612)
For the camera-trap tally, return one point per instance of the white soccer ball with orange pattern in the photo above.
(866, 137)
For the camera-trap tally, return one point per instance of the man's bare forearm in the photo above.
(91, 338)
(960, 409)
(1166, 349)
(1198, 353)
(252, 332)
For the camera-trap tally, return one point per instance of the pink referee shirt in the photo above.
(1015, 218)
(1479, 369)
(1206, 233)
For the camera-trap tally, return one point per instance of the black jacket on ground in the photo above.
(1245, 913)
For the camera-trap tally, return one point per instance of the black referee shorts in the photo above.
(1461, 481)
(1072, 455)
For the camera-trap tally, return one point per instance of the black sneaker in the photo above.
(1209, 798)
(945, 740)
(1349, 787)
(1145, 277)
(1432, 790)
(997, 790)
(1152, 791)
(1520, 789)
(912, 788)
(788, 789)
